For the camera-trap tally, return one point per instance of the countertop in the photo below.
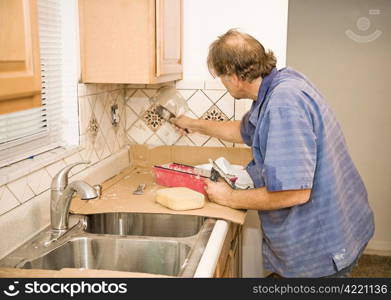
(117, 196)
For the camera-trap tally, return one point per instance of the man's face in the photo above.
(233, 86)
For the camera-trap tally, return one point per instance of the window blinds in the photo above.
(30, 132)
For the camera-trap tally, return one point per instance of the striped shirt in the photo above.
(297, 144)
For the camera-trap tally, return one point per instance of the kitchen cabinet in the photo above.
(20, 76)
(229, 265)
(128, 41)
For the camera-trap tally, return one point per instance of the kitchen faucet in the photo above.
(61, 194)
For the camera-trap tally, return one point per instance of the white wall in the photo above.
(355, 78)
(204, 20)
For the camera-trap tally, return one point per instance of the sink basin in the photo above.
(172, 245)
(144, 224)
(135, 255)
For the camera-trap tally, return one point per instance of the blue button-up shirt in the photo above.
(297, 144)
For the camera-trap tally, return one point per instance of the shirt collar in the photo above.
(263, 89)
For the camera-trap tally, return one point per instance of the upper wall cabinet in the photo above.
(130, 41)
(20, 76)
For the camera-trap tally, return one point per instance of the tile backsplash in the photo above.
(25, 194)
(144, 126)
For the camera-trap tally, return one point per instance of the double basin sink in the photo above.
(162, 244)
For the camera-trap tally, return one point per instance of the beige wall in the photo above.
(354, 74)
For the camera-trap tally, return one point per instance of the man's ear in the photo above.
(235, 80)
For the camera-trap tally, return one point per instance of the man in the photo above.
(312, 203)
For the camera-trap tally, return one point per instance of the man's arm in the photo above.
(228, 131)
(258, 199)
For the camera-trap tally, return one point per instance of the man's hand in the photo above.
(219, 192)
(181, 123)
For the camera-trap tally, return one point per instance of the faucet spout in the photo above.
(61, 196)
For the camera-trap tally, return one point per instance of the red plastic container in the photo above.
(177, 175)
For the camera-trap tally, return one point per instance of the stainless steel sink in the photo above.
(144, 224)
(136, 255)
(150, 243)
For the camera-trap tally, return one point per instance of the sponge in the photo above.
(180, 198)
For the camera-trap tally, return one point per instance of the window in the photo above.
(30, 132)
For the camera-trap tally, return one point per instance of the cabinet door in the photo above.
(168, 37)
(20, 77)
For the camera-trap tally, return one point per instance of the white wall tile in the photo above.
(139, 132)
(74, 159)
(131, 117)
(214, 95)
(197, 138)
(214, 84)
(227, 105)
(7, 200)
(167, 134)
(21, 189)
(139, 102)
(190, 84)
(39, 181)
(186, 94)
(154, 140)
(199, 103)
(53, 169)
(184, 141)
(81, 89)
(150, 92)
(213, 142)
(85, 113)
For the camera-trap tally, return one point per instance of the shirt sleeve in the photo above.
(290, 156)
(245, 129)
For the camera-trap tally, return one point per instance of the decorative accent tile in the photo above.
(213, 142)
(168, 134)
(39, 181)
(227, 105)
(154, 140)
(7, 200)
(152, 119)
(214, 95)
(139, 132)
(138, 102)
(214, 114)
(186, 94)
(199, 103)
(21, 189)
